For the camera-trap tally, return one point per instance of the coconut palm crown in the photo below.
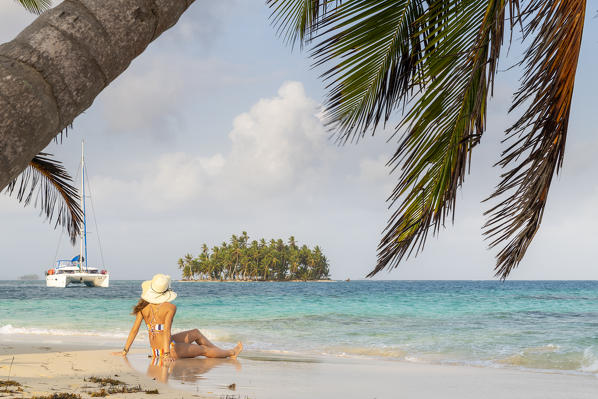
(36, 6)
(47, 182)
(435, 62)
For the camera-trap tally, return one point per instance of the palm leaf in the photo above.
(297, 20)
(538, 137)
(36, 6)
(444, 124)
(439, 59)
(47, 180)
(443, 55)
(375, 50)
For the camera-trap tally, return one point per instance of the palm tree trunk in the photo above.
(54, 69)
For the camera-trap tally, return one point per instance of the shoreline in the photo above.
(51, 369)
(33, 343)
(258, 281)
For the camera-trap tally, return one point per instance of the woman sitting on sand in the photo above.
(155, 309)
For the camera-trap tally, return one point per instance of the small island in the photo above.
(29, 277)
(242, 260)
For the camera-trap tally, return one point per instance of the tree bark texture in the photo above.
(54, 69)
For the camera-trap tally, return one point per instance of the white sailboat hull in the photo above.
(89, 279)
(75, 270)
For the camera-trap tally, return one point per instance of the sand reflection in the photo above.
(187, 370)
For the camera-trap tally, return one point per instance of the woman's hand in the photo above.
(167, 361)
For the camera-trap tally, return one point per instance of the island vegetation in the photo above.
(242, 260)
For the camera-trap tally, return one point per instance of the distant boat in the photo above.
(76, 270)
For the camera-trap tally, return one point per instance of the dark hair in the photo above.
(140, 305)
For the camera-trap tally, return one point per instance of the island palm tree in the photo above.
(435, 61)
(205, 268)
(216, 259)
(186, 266)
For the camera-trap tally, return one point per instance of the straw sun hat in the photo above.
(157, 290)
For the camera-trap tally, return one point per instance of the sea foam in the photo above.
(590, 361)
(8, 329)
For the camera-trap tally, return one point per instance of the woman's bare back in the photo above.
(158, 319)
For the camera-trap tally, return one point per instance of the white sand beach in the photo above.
(46, 369)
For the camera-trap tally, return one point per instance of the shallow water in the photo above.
(536, 325)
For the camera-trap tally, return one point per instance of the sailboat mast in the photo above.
(82, 207)
(83, 202)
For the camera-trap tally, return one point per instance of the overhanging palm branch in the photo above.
(538, 137)
(444, 124)
(48, 181)
(36, 6)
(439, 58)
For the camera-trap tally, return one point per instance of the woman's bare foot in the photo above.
(236, 350)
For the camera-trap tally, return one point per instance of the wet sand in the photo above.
(47, 369)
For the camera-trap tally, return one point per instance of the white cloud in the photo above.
(374, 170)
(279, 146)
(279, 140)
(144, 101)
(204, 22)
(14, 19)
(374, 173)
(153, 96)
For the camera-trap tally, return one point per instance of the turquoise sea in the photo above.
(547, 325)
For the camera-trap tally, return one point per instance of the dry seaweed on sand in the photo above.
(8, 386)
(10, 391)
(61, 395)
(98, 394)
(116, 386)
(125, 389)
(10, 383)
(103, 381)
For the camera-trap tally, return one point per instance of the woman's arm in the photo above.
(133, 333)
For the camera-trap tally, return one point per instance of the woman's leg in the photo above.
(190, 336)
(185, 350)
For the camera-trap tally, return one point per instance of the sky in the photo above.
(217, 129)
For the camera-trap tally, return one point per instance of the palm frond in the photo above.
(538, 137)
(438, 58)
(47, 180)
(297, 20)
(375, 48)
(36, 6)
(444, 124)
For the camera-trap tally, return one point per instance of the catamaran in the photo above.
(76, 270)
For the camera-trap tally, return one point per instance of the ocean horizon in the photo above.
(537, 325)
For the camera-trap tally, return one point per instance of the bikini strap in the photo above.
(153, 323)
